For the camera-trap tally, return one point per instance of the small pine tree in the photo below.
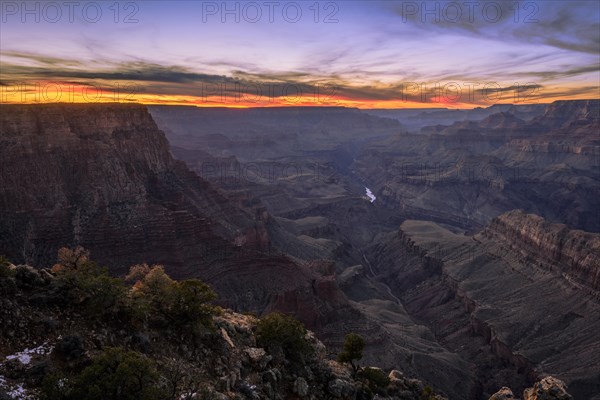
(354, 345)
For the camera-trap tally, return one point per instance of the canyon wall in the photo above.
(101, 176)
(574, 253)
(517, 301)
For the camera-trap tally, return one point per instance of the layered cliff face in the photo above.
(574, 253)
(564, 114)
(101, 176)
(515, 301)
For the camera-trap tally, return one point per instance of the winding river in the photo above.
(370, 194)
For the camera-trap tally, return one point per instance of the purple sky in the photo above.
(366, 54)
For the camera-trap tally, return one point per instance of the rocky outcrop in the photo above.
(570, 113)
(549, 388)
(503, 394)
(574, 253)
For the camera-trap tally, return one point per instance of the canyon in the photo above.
(471, 262)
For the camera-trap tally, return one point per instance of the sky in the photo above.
(366, 54)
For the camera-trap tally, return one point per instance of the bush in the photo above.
(56, 386)
(71, 258)
(354, 345)
(375, 378)
(93, 287)
(138, 272)
(27, 277)
(189, 302)
(427, 393)
(184, 303)
(282, 330)
(69, 349)
(5, 271)
(115, 374)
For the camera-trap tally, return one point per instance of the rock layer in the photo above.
(576, 254)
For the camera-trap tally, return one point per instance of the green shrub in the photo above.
(92, 287)
(5, 271)
(427, 393)
(190, 302)
(282, 330)
(56, 386)
(375, 378)
(115, 374)
(185, 303)
(354, 345)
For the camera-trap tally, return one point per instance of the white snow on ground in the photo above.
(370, 194)
(25, 356)
(17, 391)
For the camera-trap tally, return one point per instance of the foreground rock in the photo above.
(548, 388)
(503, 394)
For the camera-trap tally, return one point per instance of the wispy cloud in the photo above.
(368, 57)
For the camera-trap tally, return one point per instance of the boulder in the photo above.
(258, 357)
(301, 387)
(396, 375)
(548, 388)
(341, 389)
(503, 394)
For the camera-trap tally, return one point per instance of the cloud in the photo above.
(41, 59)
(174, 80)
(557, 74)
(571, 26)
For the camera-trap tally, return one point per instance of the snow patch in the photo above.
(16, 391)
(25, 356)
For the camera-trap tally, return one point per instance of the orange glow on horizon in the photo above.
(57, 92)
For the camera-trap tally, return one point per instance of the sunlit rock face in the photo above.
(548, 388)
